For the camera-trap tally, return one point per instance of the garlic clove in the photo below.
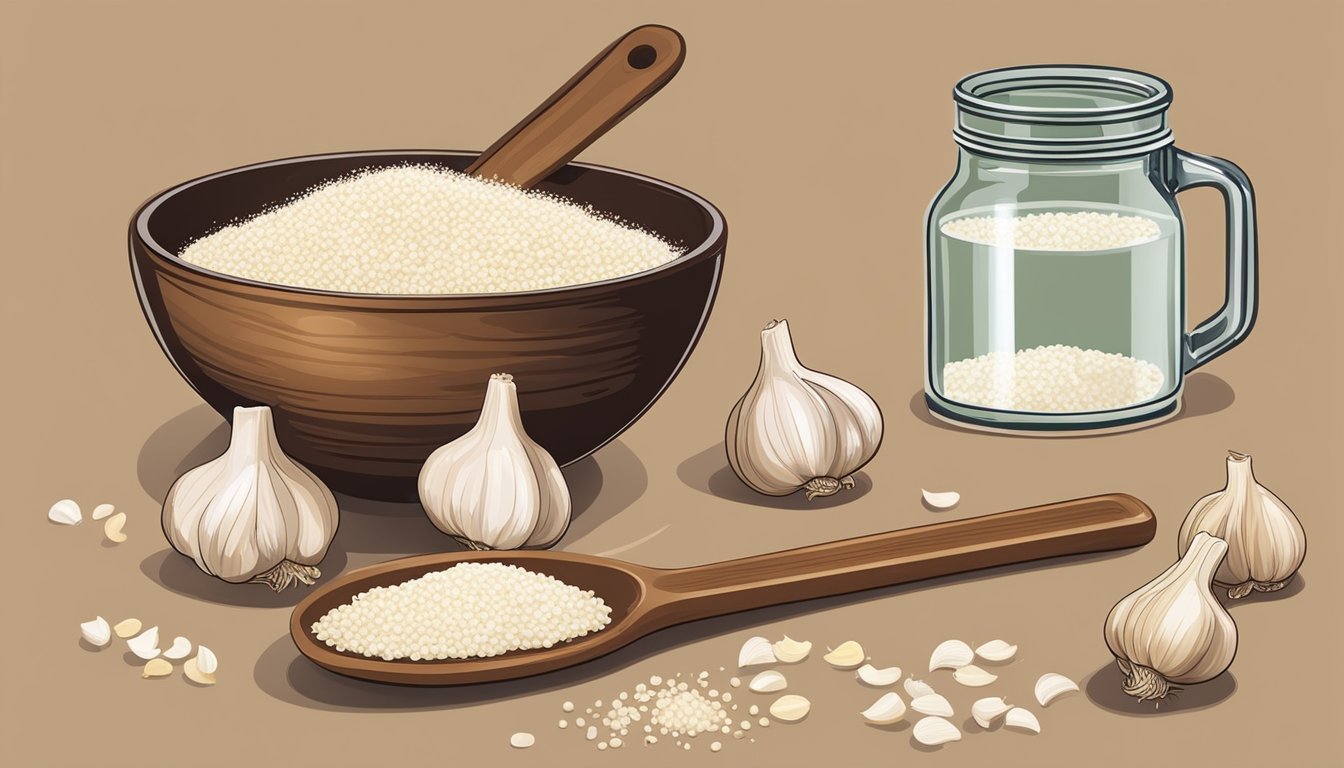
(146, 644)
(973, 676)
(126, 628)
(252, 514)
(791, 651)
(756, 650)
(193, 672)
(798, 429)
(65, 512)
(112, 528)
(941, 500)
(103, 511)
(180, 648)
(768, 681)
(932, 731)
(987, 710)
(1022, 720)
(847, 655)
(96, 632)
(1051, 686)
(790, 708)
(996, 650)
(932, 704)
(950, 654)
(879, 678)
(885, 710)
(157, 668)
(206, 661)
(916, 688)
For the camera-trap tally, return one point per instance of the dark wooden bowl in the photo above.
(364, 386)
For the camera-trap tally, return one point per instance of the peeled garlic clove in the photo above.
(973, 676)
(1051, 686)
(756, 650)
(193, 672)
(797, 429)
(941, 500)
(791, 651)
(986, 711)
(65, 512)
(112, 528)
(157, 668)
(996, 650)
(950, 654)
(887, 709)
(880, 678)
(127, 628)
(932, 731)
(206, 661)
(1022, 719)
(916, 688)
(103, 510)
(768, 681)
(146, 644)
(790, 708)
(932, 704)
(180, 648)
(847, 655)
(97, 632)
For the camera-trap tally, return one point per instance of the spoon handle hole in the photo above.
(642, 56)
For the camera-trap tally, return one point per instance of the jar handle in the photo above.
(1232, 323)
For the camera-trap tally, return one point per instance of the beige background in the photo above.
(822, 132)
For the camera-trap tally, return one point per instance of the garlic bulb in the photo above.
(253, 514)
(1172, 629)
(1265, 541)
(796, 428)
(493, 488)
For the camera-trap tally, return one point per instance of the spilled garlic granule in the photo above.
(418, 229)
(471, 610)
(662, 710)
(1053, 379)
(1075, 231)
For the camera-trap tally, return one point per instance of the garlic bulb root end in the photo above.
(827, 486)
(1144, 684)
(286, 574)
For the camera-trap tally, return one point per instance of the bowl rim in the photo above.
(710, 247)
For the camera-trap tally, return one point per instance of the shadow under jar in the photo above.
(1056, 272)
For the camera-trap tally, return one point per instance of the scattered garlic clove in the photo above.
(973, 676)
(193, 672)
(157, 668)
(112, 528)
(180, 648)
(885, 710)
(790, 708)
(932, 731)
(103, 510)
(932, 704)
(97, 632)
(756, 650)
(127, 628)
(206, 661)
(768, 681)
(1022, 719)
(522, 740)
(847, 655)
(950, 654)
(916, 688)
(986, 711)
(879, 678)
(1051, 686)
(791, 651)
(941, 500)
(65, 512)
(996, 650)
(146, 644)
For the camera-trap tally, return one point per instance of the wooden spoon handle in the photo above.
(1093, 524)
(597, 97)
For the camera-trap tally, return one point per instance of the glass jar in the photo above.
(1055, 255)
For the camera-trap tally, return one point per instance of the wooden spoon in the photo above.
(644, 600)
(623, 76)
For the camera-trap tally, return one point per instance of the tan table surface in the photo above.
(822, 131)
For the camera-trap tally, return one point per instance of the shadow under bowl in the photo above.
(364, 387)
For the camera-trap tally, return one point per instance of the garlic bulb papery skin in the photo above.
(796, 428)
(494, 488)
(1172, 629)
(1265, 541)
(253, 514)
